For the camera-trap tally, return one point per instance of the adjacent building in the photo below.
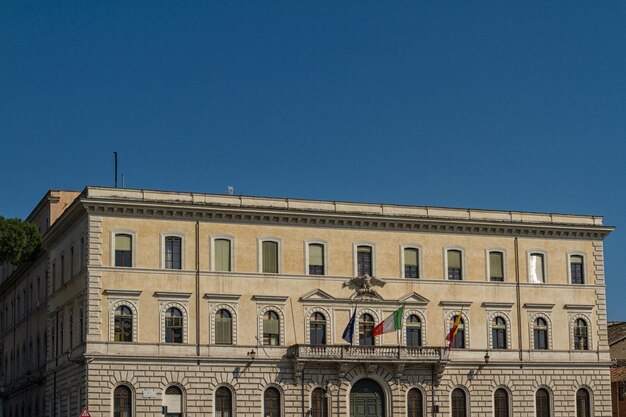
(617, 346)
(220, 305)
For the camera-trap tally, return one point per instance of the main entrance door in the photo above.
(367, 399)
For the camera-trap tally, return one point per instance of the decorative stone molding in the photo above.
(572, 325)
(165, 305)
(357, 319)
(422, 318)
(213, 309)
(490, 318)
(308, 312)
(281, 318)
(532, 317)
(133, 305)
(449, 315)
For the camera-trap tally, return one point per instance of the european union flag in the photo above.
(349, 331)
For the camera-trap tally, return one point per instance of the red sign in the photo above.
(85, 413)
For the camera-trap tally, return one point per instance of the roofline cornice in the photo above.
(318, 218)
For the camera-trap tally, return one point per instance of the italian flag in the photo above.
(391, 323)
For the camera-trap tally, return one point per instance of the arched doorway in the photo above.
(367, 399)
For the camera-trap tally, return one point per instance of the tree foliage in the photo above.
(19, 240)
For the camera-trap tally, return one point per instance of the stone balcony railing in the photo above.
(348, 353)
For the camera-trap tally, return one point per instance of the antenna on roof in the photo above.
(230, 190)
(115, 153)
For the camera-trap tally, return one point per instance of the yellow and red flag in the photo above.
(453, 330)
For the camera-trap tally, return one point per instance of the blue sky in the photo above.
(491, 104)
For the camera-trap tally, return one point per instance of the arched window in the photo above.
(123, 250)
(498, 333)
(542, 402)
(540, 334)
(271, 329)
(583, 403)
(123, 324)
(317, 329)
(415, 403)
(366, 326)
(223, 402)
(459, 339)
(411, 263)
(173, 400)
(501, 403)
(581, 335)
(459, 403)
(455, 265)
(413, 331)
(364, 260)
(173, 325)
(173, 252)
(223, 327)
(319, 403)
(122, 402)
(271, 403)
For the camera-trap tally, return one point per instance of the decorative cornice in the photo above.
(497, 305)
(222, 297)
(578, 307)
(272, 299)
(455, 303)
(538, 306)
(255, 210)
(122, 293)
(170, 294)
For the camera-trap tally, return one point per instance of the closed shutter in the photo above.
(270, 257)
(222, 255)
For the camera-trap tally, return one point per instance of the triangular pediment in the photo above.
(317, 295)
(365, 296)
(414, 298)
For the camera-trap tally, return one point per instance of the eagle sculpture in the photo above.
(363, 284)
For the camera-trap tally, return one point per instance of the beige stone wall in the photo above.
(149, 276)
(249, 380)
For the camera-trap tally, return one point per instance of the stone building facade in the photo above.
(23, 318)
(223, 305)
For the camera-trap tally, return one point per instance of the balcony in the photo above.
(381, 354)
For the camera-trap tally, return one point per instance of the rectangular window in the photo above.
(364, 260)
(71, 262)
(536, 272)
(576, 269)
(54, 276)
(316, 259)
(222, 255)
(62, 269)
(455, 270)
(496, 266)
(123, 250)
(411, 266)
(270, 257)
(82, 253)
(173, 252)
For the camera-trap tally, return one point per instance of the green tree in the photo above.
(19, 240)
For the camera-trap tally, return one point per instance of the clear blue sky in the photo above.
(490, 104)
